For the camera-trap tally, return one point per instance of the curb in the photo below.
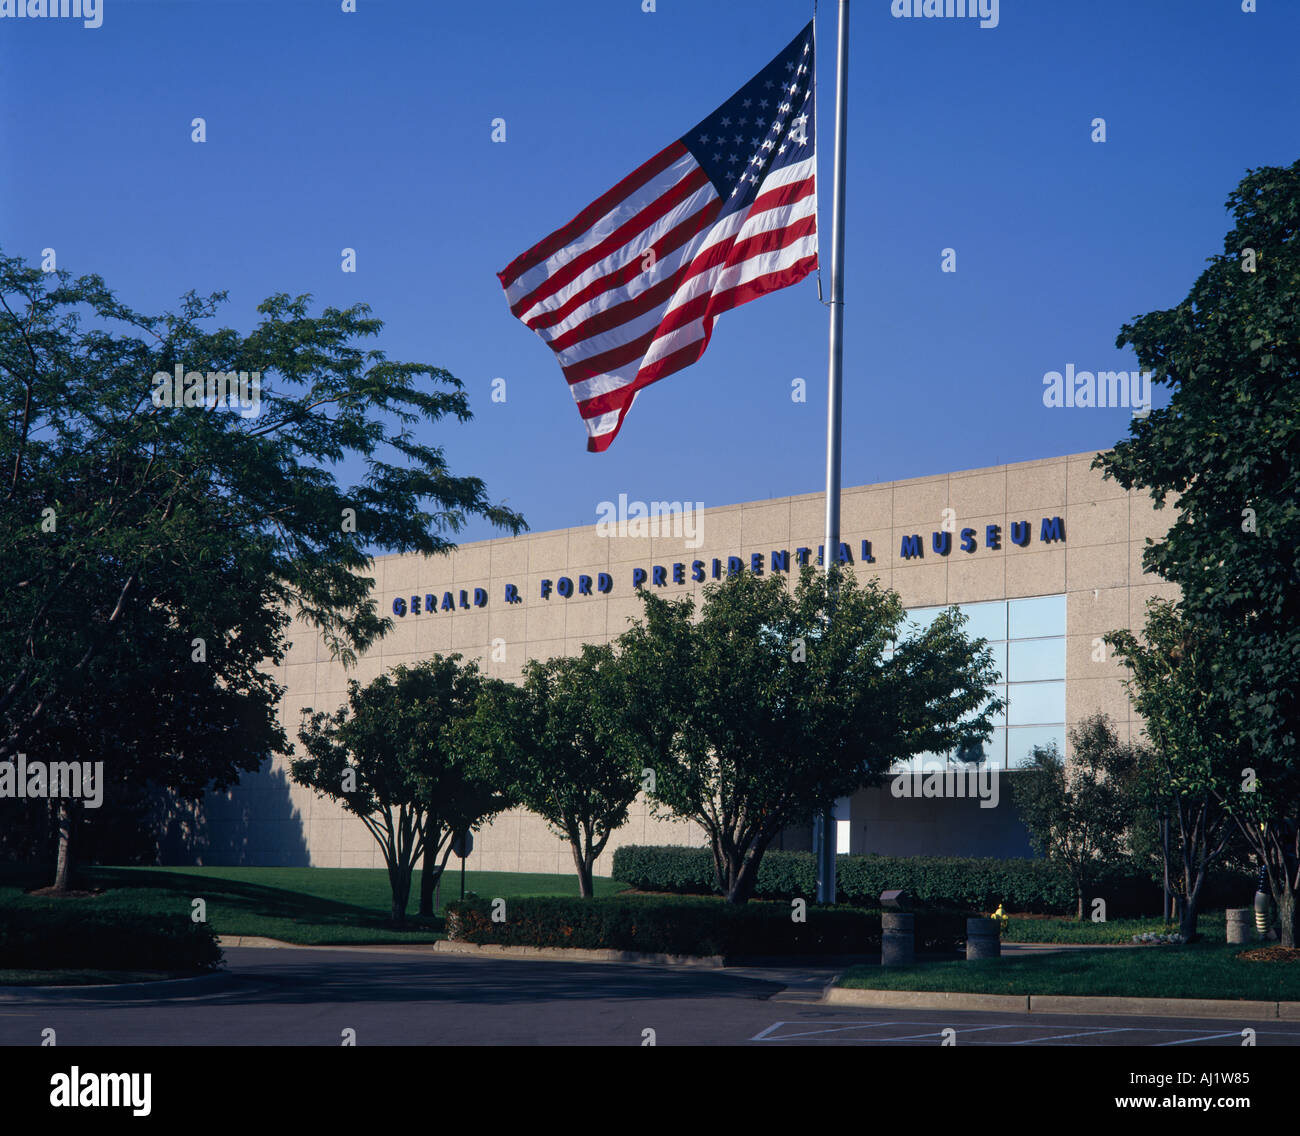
(1065, 1004)
(576, 954)
(1153, 1007)
(202, 984)
(557, 954)
(927, 1000)
(260, 942)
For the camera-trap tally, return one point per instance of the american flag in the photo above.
(627, 292)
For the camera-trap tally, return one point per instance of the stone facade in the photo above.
(1095, 563)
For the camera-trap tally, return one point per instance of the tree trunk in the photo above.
(63, 865)
(1286, 913)
(584, 866)
(1166, 904)
(742, 877)
(429, 877)
(1193, 881)
(430, 873)
(1191, 908)
(399, 879)
(721, 866)
(1078, 909)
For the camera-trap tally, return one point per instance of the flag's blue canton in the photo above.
(764, 126)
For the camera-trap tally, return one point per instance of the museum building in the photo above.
(1043, 556)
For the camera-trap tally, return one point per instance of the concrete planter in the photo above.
(897, 938)
(1241, 924)
(983, 939)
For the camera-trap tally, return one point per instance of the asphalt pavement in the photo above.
(311, 997)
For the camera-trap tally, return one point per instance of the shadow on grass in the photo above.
(147, 891)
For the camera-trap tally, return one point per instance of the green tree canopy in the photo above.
(1078, 812)
(393, 758)
(572, 757)
(1228, 446)
(198, 529)
(779, 699)
(1194, 754)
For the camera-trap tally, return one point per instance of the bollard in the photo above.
(1240, 924)
(1263, 909)
(983, 940)
(897, 938)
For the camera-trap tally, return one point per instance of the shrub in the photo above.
(1033, 886)
(675, 868)
(55, 938)
(689, 926)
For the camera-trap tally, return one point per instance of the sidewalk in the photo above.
(1047, 948)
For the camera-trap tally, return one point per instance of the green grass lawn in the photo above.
(313, 906)
(1062, 930)
(1200, 970)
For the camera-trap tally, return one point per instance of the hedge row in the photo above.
(40, 939)
(981, 884)
(681, 925)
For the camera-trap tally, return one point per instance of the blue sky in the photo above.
(372, 130)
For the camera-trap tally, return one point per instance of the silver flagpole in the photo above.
(824, 827)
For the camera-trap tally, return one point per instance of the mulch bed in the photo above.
(1271, 954)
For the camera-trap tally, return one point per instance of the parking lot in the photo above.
(937, 1027)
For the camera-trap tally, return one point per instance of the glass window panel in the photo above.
(1000, 719)
(999, 691)
(986, 620)
(999, 652)
(1037, 617)
(1020, 743)
(919, 620)
(997, 749)
(995, 753)
(1033, 703)
(1032, 660)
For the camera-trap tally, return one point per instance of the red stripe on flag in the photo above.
(585, 288)
(665, 246)
(691, 352)
(548, 246)
(696, 180)
(722, 254)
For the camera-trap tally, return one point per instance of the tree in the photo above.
(1194, 748)
(215, 519)
(389, 758)
(575, 763)
(157, 718)
(461, 784)
(1077, 814)
(1227, 446)
(778, 700)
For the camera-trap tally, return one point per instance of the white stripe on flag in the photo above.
(623, 212)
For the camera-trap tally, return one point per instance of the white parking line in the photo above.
(1208, 1037)
(939, 1032)
(1062, 1036)
(806, 1033)
(765, 1035)
(829, 1029)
